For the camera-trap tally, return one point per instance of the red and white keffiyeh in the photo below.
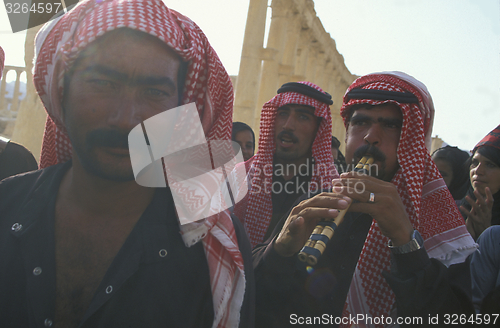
(256, 209)
(429, 205)
(207, 84)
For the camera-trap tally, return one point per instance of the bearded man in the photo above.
(294, 156)
(389, 256)
(84, 245)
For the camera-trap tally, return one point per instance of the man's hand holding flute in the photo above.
(367, 194)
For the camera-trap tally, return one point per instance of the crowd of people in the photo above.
(411, 240)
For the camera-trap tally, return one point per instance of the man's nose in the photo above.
(373, 135)
(289, 123)
(127, 112)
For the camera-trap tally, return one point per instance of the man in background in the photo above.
(294, 156)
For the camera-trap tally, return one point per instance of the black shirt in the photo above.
(285, 192)
(287, 288)
(154, 281)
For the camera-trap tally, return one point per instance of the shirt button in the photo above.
(109, 289)
(163, 252)
(37, 271)
(351, 237)
(47, 322)
(342, 266)
(17, 227)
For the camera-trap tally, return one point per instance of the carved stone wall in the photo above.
(298, 48)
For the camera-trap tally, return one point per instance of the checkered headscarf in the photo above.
(59, 43)
(492, 139)
(429, 205)
(256, 209)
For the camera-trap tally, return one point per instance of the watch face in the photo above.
(414, 244)
(418, 238)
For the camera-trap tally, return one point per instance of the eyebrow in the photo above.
(362, 117)
(140, 80)
(299, 110)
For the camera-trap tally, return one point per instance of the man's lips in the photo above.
(285, 142)
(118, 151)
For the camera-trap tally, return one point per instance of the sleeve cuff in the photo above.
(405, 265)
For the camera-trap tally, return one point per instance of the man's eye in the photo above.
(304, 118)
(359, 123)
(474, 163)
(490, 164)
(393, 126)
(156, 93)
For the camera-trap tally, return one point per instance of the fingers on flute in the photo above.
(327, 200)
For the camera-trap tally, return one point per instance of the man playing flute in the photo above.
(390, 255)
(82, 243)
(294, 156)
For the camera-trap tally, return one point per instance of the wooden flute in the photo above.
(325, 229)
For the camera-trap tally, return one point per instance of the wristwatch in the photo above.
(416, 243)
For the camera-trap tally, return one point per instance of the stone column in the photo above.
(319, 68)
(15, 97)
(324, 75)
(302, 56)
(311, 63)
(287, 69)
(247, 84)
(269, 81)
(30, 122)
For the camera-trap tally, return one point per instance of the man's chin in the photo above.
(118, 171)
(115, 175)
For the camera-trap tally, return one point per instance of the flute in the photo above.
(325, 229)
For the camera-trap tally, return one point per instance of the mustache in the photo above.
(107, 138)
(370, 150)
(289, 134)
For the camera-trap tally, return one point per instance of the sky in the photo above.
(452, 46)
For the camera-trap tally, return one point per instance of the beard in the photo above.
(119, 169)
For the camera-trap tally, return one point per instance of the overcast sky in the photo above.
(452, 46)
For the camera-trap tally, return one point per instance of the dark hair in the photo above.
(240, 126)
(335, 142)
(340, 163)
(458, 160)
(492, 153)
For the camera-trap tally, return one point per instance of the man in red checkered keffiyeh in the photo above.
(295, 135)
(404, 204)
(102, 69)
